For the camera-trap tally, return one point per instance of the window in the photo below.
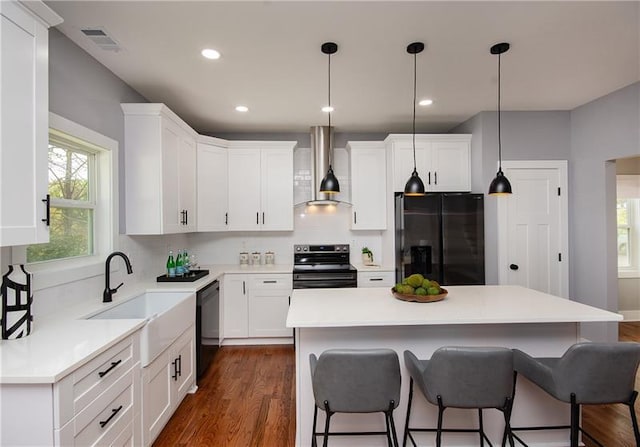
(83, 186)
(72, 188)
(628, 220)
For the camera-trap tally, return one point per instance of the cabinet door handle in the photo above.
(375, 279)
(226, 218)
(47, 201)
(257, 218)
(355, 217)
(114, 411)
(272, 281)
(179, 369)
(513, 266)
(113, 365)
(244, 290)
(429, 181)
(186, 217)
(263, 218)
(174, 376)
(435, 177)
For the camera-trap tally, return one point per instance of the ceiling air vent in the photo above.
(100, 37)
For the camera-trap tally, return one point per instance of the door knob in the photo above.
(513, 266)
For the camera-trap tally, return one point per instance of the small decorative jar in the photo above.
(269, 258)
(244, 258)
(256, 258)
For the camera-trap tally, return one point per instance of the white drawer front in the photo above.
(268, 281)
(376, 279)
(108, 415)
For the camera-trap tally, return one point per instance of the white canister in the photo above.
(244, 258)
(256, 258)
(269, 258)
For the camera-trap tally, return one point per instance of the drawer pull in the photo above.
(113, 365)
(375, 279)
(175, 370)
(114, 411)
(271, 281)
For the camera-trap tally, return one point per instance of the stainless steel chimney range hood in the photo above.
(321, 146)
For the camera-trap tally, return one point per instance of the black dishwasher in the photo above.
(207, 325)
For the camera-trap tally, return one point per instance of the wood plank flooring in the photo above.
(247, 398)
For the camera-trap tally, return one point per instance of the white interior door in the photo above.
(532, 227)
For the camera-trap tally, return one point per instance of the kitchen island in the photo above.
(511, 316)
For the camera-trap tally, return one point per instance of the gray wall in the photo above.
(602, 130)
(525, 136)
(86, 92)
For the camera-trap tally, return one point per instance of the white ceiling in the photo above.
(563, 54)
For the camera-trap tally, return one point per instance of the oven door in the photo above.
(324, 280)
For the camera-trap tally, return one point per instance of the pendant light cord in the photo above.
(329, 101)
(415, 70)
(499, 114)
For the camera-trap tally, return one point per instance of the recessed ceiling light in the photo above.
(242, 109)
(426, 102)
(327, 109)
(210, 53)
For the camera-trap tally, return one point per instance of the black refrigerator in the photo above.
(441, 236)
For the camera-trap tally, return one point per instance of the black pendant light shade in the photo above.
(500, 185)
(329, 184)
(414, 186)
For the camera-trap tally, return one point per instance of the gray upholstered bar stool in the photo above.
(587, 373)
(462, 377)
(356, 381)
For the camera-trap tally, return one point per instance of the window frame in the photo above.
(56, 272)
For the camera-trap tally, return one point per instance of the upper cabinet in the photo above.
(24, 133)
(368, 185)
(260, 185)
(443, 161)
(212, 188)
(160, 166)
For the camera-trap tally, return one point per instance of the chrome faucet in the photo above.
(108, 291)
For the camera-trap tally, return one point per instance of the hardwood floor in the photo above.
(611, 424)
(247, 398)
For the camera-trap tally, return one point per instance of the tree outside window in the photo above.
(72, 191)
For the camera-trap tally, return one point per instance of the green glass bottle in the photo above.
(171, 265)
(179, 264)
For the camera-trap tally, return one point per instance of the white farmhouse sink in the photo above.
(168, 315)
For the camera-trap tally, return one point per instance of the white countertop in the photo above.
(463, 305)
(65, 340)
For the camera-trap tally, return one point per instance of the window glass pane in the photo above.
(68, 173)
(624, 259)
(623, 212)
(71, 235)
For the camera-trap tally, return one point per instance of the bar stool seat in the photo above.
(587, 373)
(356, 381)
(462, 377)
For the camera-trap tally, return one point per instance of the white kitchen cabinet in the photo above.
(368, 185)
(443, 161)
(24, 117)
(212, 188)
(98, 403)
(256, 305)
(260, 185)
(235, 322)
(165, 382)
(269, 297)
(379, 278)
(160, 162)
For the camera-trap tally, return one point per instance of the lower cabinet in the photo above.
(165, 382)
(386, 278)
(256, 305)
(97, 404)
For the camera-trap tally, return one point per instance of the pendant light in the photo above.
(414, 186)
(500, 185)
(329, 184)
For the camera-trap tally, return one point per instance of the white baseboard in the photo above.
(257, 341)
(630, 315)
